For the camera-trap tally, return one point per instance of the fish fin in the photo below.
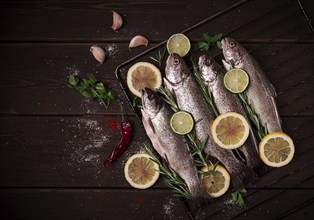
(171, 86)
(277, 115)
(150, 131)
(168, 84)
(272, 90)
(226, 65)
(245, 177)
(260, 169)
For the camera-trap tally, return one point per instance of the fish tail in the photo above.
(243, 178)
(252, 160)
(260, 168)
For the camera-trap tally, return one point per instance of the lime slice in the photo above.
(143, 75)
(276, 149)
(182, 122)
(179, 44)
(236, 80)
(215, 182)
(140, 171)
(230, 130)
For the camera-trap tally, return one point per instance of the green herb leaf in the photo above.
(92, 79)
(203, 45)
(237, 196)
(208, 40)
(136, 102)
(91, 88)
(219, 45)
(72, 80)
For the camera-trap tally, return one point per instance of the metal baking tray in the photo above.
(195, 209)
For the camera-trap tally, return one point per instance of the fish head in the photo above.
(209, 69)
(176, 69)
(151, 102)
(232, 50)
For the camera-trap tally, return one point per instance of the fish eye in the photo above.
(207, 62)
(176, 61)
(232, 44)
(150, 96)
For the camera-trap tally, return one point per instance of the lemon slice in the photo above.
(236, 80)
(276, 149)
(182, 122)
(140, 171)
(143, 75)
(217, 183)
(179, 44)
(230, 130)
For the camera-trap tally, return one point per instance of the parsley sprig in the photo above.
(208, 40)
(237, 196)
(91, 88)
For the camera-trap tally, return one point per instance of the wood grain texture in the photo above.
(90, 204)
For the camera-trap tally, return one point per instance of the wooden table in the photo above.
(53, 141)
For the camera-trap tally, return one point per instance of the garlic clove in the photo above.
(98, 53)
(116, 21)
(138, 40)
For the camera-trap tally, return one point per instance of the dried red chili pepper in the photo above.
(126, 135)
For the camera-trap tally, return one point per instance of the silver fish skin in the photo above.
(260, 92)
(171, 146)
(189, 97)
(212, 76)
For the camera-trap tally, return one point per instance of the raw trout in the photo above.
(212, 75)
(182, 84)
(171, 146)
(260, 92)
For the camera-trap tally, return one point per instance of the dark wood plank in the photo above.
(271, 203)
(90, 204)
(64, 151)
(98, 19)
(302, 211)
(43, 74)
(68, 152)
(92, 20)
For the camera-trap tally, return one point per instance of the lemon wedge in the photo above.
(276, 149)
(140, 171)
(143, 75)
(230, 130)
(216, 182)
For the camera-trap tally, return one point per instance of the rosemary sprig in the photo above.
(261, 131)
(159, 58)
(196, 147)
(168, 98)
(206, 91)
(172, 179)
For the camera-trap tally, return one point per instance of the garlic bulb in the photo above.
(98, 53)
(138, 40)
(116, 21)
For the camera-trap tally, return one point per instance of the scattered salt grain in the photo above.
(111, 49)
(168, 208)
(72, 70)
(93, 138)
